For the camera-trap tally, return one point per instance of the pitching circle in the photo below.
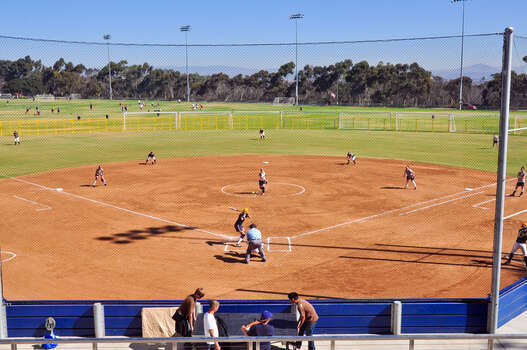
(229, 189)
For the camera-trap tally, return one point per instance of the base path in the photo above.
(330, 230)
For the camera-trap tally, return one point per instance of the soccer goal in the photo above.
(366, 120)
(205, 120)
(288, 101)
(145, 121)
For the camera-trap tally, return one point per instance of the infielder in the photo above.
(351, 157)
(519, 244)
(254, 238)
(238, 225)
(262, 181)
(410, 176)
(151, 157)
(520, 182)
(99, 174)
(16, 137)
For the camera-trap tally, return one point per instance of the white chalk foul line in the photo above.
(478, 205)
(440, 203)
(124, 209)
(13, 255)
(387, 212)
(515, 214)
(44, 207)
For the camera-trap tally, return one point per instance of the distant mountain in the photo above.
(476, 72)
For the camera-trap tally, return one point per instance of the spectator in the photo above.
(186, 314)
(260, 328)
(254, 238)
(308, 318)
(210, 326)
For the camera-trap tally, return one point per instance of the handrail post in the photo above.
(396, 317)
(411, 346)
(332, 345)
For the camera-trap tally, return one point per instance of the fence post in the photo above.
(332, 345)
(98, 320)
(412, 344)
(396, 317)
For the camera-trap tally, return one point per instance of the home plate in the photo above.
(266, 162)
(468, 189)
(59, 189)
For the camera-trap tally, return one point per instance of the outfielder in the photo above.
(520, 182)
(99, 174)
(519, 244)
(351, 157)
(410, 176)
(238, 225)
(262, 181)
(262, 134)
(151, 157)
(16, 137)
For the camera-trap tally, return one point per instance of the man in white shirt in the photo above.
(210, 326)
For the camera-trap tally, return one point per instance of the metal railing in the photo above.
(331, 340)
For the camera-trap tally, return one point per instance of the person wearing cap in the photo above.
(238, 225)
(254, 238)
(519, 244)
(260, 328)
(308, 318)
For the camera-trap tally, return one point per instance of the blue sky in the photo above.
(257, 21)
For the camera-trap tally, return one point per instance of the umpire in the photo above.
(254, 238)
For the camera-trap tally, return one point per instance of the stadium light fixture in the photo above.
(296, 17)
(186, 29)
(462, 47)
(108, 37)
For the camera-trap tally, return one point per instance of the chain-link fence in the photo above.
(408, 72)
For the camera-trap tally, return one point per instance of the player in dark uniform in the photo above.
(262, 181)
(494, 140)
(351, 157)
(519, 244)
(262, 134)
(238, 225)
(151, 157)
(410, 176)
(99, 174)
(520, 182)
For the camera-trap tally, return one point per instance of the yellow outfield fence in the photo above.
(171, 121)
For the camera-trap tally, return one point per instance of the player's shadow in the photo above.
(85, 185)
(244, 192)
(392, 188)
(231, 257)
(139, 235)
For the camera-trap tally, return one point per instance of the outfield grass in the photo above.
(39, 153)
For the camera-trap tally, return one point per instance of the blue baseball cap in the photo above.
(266, 315)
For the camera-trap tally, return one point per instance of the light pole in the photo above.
(186, 29)
(108, 37)
(296, 17)
(462, 46)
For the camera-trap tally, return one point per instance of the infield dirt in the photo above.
(335, 230)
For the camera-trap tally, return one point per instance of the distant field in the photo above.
(39, 153)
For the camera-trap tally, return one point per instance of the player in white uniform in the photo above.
(351, 157)
(262, 134)
(520, 182)
(262, 181)
(99, 173)
(519, 244)
(151, 157)
(410, 176)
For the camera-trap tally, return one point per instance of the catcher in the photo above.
(519, 244)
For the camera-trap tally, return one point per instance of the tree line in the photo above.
(386, 84)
